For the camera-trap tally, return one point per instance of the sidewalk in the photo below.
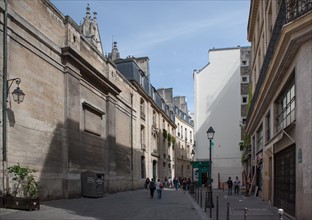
(257, 209)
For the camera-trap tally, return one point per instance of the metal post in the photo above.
(206, 196)
(201, 198)
(217, 209)
(198, 195)
(211, 204)
(228, 211)
(210, 162)
(245, 214)
(4, 97)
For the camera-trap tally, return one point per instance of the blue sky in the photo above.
(175, 35)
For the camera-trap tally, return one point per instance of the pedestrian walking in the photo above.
(230, 186)
(236, 185)
(159, 188)
(175, 183)
(146, 184)
(184, 185)
(152, 187)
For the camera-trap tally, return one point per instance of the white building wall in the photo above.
(217, 104)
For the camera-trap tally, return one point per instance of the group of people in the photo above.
(151, 185)
(236, 184)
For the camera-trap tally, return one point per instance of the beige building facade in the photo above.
(80, 112)
(184, 134)
(279, 118)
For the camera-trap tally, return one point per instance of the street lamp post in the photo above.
(193, 156)
(210, 134)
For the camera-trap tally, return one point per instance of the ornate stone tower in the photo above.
(90, 30)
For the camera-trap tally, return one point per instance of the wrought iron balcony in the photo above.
(296, 8)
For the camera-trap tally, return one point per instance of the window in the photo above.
(181, 132)
(143, 172)
(242, 123)
(244, 79)
(154, 118)
(268, 126)
(286, 105)
(142, 137)
(191, 137)
(142, 108)
(244, 99)
(245, 62)
(259, 139)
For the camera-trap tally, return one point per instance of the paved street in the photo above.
(137, 205)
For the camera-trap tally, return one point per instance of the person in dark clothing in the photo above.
(152, 187)
(230, 186)
(146, 184)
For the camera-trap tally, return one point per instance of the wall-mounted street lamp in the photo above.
(18, 94)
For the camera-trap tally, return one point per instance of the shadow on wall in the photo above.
(72, 152)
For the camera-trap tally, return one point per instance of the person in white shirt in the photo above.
(236, 185)
(159, 188)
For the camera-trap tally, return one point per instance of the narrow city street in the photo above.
(137, 205)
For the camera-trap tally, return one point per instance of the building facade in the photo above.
(154, 121)
(80, 112)
(184, 134)
(279, 118)
(217, 86)
(245, 91)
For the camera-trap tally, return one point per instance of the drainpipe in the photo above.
(131, 138)
(4, 94)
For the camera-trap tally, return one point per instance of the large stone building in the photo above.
(279, 119)
(80, 113)
(218, 100)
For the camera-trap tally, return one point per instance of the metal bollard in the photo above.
(245, 214)
(201, 198)
(206, 196)
(228, 211)
(280, 213)
(217, 209)
(211, 203)
(198, 195)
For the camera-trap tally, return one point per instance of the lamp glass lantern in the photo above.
(210, 133)
(18, 95)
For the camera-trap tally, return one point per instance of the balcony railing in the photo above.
(296, 8)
